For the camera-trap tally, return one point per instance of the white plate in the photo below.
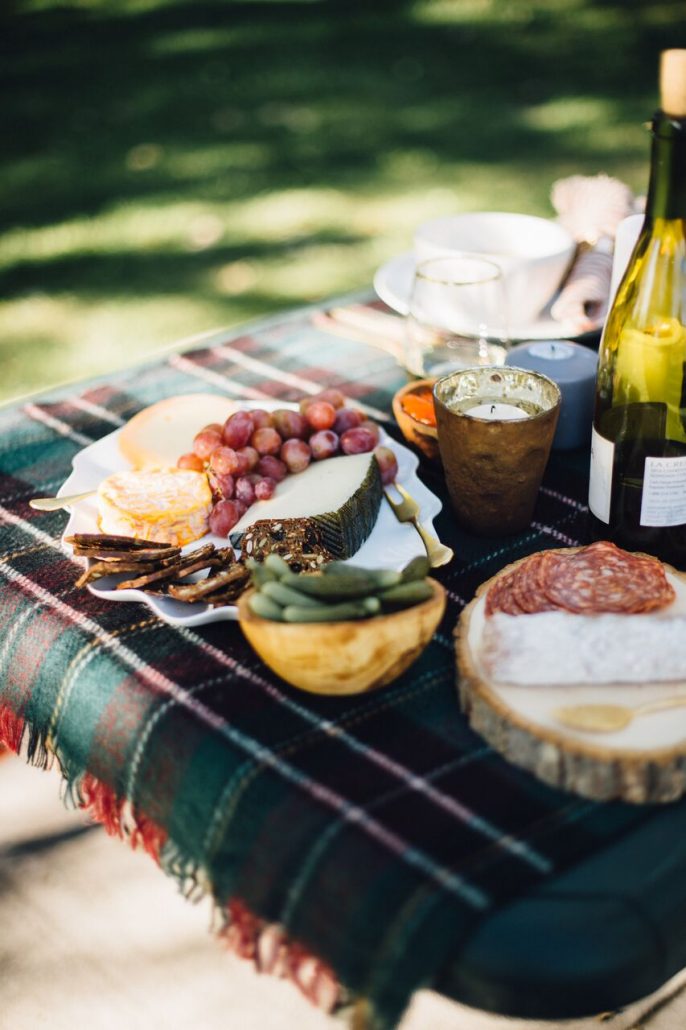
(393, 284)
(390, 545)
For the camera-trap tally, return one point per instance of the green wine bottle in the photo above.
(637, 493)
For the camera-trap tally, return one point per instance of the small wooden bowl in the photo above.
(344, 657)
(421, 436)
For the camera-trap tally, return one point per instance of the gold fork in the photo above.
(407, 510)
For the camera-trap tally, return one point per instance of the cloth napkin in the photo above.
(590, 208)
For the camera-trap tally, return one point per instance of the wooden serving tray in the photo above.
(645, 762)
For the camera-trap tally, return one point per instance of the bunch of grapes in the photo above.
(254, 450)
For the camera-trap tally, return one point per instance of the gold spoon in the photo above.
(611, 718)
(55, 503)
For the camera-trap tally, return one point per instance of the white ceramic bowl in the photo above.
(533, 253)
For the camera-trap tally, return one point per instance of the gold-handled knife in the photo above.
(407, 510)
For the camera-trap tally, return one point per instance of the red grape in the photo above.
(372, 427)
(249, 455)
(205, 442)
(323, 444)
(291, 424)
(261, 418)
(357, 441)
(224, 461)
(332, 396)
(191, 461)
(243, 463)
(224, 517)
(221, 486)
(245, 491)
(238, 429)
(264, 488)
(388, 464)
(296, 454)
(272, 467)
(213, 427)
(266, 441)
(241, 508)
(346, 418)
(320, 414)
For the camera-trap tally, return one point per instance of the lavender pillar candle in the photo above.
(573, 368)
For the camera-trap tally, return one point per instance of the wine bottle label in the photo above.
(664, 492)
(600, 485)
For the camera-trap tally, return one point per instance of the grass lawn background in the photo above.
(171, 166)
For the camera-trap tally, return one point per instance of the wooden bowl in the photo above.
(421, 436)
(344, 657)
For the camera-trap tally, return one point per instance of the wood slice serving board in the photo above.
(644, 762)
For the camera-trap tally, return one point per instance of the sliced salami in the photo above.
(604, 578)
(527, 587)
(598, 578)
(500, 597)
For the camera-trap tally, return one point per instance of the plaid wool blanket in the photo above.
(367, 836)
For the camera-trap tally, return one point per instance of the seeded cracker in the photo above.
(297, 541)
(110, 541)
(183, 566)
(225, 585)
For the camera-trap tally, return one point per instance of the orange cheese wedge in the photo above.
(171, 506)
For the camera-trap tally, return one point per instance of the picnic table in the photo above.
(365, 846)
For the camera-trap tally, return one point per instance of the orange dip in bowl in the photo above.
(419, 405)
(413, 407)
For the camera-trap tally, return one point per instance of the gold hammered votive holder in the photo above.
(494, 460)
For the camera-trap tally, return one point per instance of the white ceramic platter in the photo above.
(390, 545)
(393, 284)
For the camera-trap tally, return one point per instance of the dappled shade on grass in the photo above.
(170, 166)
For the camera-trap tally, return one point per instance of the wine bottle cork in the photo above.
(673, 83)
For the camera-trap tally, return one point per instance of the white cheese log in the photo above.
(551, 648)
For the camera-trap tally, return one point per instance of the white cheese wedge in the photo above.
(341, 495)
(556, 648)
(157, 436)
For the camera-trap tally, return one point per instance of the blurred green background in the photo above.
(171, 166)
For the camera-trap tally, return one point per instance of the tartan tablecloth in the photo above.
(373, 833)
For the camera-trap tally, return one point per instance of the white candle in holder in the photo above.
(496, 412)
(495, 427)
